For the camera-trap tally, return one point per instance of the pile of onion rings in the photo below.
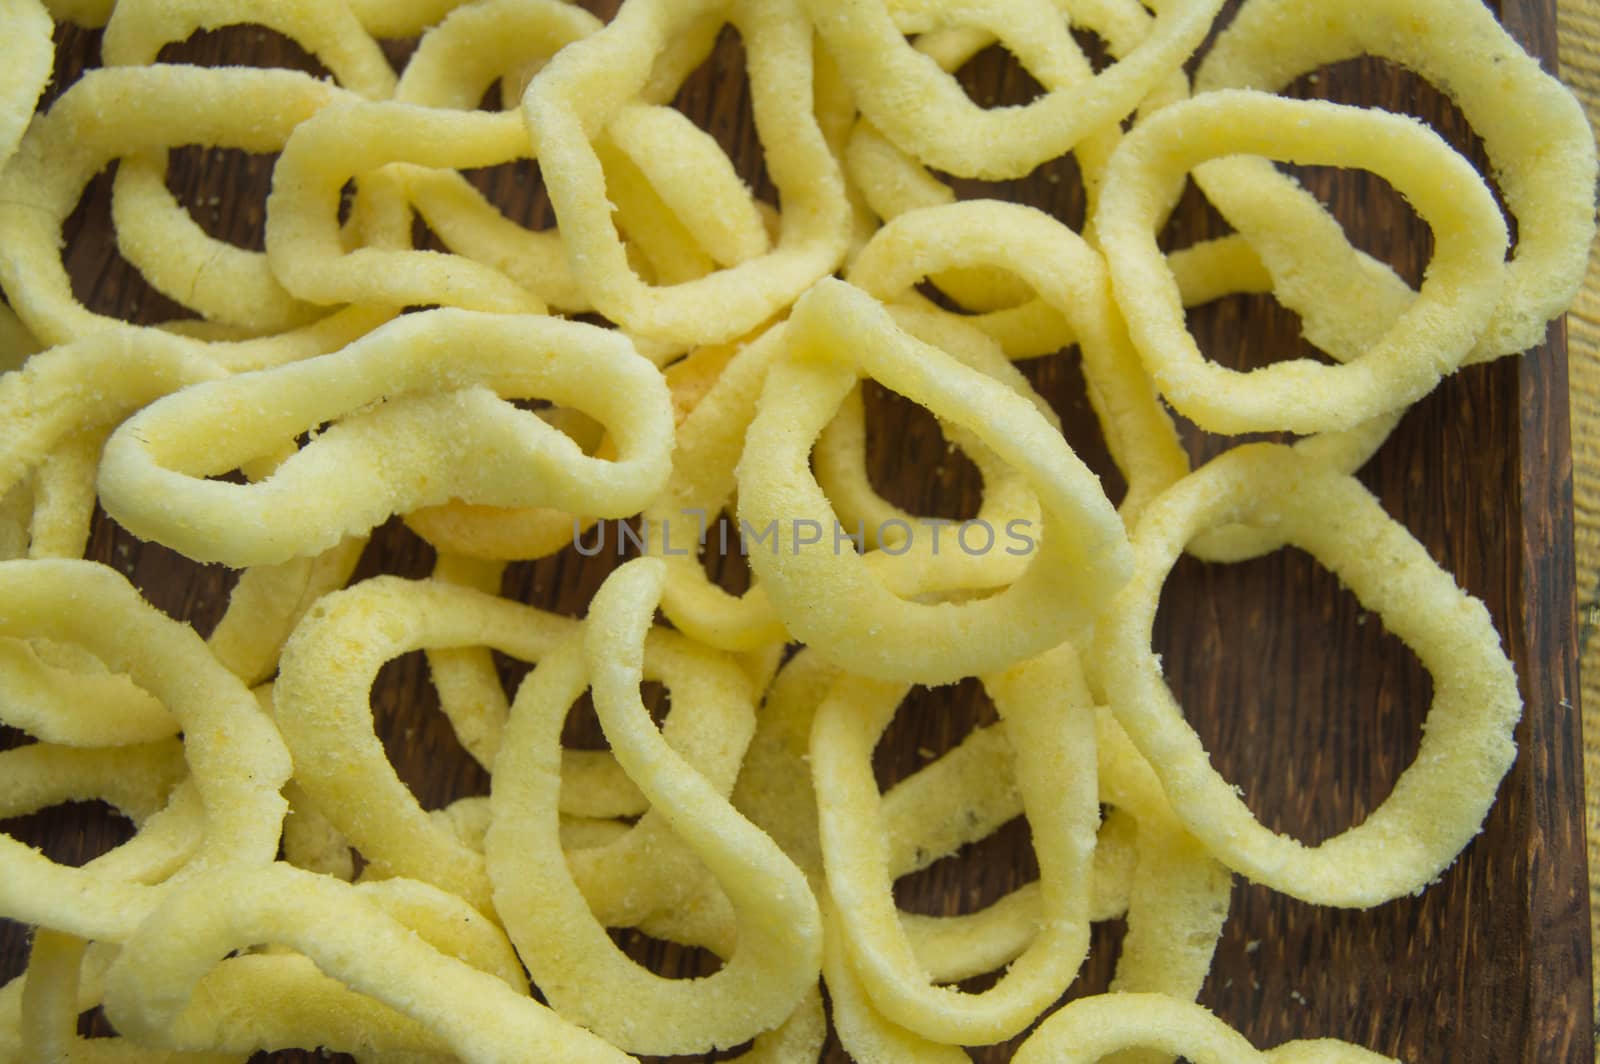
(681, 360)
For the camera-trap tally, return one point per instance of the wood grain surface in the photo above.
(1306, 701)
(1578, 29)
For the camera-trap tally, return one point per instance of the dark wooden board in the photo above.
(1308, 704)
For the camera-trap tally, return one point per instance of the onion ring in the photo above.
(115, 112)
(25, 60)
(1429, 340)
(574, 964)
(856, 852)
(407, 452)
(1440, 800)
(923, 110)
(1539, 144)
(152, 982)
(831, 600)
(236, 757)
(584, 88)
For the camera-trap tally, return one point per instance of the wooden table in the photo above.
(1307, 703)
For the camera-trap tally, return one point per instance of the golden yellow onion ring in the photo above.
(55, 413)
(322, 707)
(1346, 301)
(321, 702)
(952, 948)
(38, 1012)
(1053, 262)
(26, 56)
(58, 693)
(278, 1001)
(925, 111)
(695, 179)
(774, 785)
(1173, 894)
(1540, 148)
(265, 1001)
(460, 59)
(455, 63)
(115, 112)
(593, 786)
(831, 599)
(1049, 718)
(779, 948)
(310, 841)
(442, 433)
(960, 798)
(519, 532)
(474, 1013)
(155, 233)
(1438, 803)
(653, 168)
(1070, 277)
(136, 780)
(139, 29)
(237, 760)
(87, 387)
(63, 498)
(1178, 898)
(465, 678)
(1050, 259)
(892, 182)
(305, 245)
(235, 755)
(579, 93)
(681, 523)
(1428, 341)
(864, 1032)
(780, 943)
(839, 459)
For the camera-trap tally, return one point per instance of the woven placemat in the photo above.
(1579, 26)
